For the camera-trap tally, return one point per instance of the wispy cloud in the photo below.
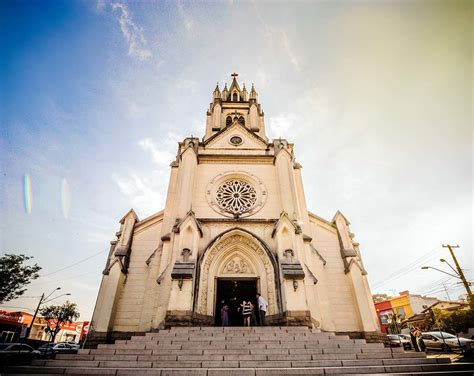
(132, 33)
(100, 5)
(184, 84)
(288, 50)
(160, 157)
(281, 124)
(187, 19)
(141, 192)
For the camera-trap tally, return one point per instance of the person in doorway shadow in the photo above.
(225, 314)
(246, 312)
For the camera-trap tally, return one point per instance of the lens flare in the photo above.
(27, 197)
(65, 198)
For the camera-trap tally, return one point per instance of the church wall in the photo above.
(337, 284)
(132, 293)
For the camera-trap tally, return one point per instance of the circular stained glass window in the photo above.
(236, 140)
(236, 196)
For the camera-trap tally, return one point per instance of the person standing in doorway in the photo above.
(225, 314)
(262, 309)
(246, 312)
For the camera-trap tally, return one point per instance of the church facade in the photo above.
(235, 223)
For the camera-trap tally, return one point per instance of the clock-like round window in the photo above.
(236, 196)
(236, 140)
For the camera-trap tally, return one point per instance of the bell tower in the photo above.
(235, 104)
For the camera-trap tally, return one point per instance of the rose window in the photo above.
(236, 196)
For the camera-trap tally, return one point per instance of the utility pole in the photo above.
(461, 274)
(34, 316)
(446, 291)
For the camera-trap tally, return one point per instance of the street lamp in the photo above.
(46, 301)
(454, 270)
(458, 273)
(42, 300)
(439, 270)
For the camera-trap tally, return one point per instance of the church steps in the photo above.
(271, 352)
(444, 369)
(196, 363)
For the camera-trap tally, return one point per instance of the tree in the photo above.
(380, 297)
(15, 275)
(57, 315)
(456, 321)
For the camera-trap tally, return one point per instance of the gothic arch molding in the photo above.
(236, 252)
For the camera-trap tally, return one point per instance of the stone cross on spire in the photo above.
(234, 75)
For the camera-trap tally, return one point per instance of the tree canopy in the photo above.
(57, 315)
(380, 297)
(15, 275)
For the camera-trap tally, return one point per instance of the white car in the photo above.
(446, 342)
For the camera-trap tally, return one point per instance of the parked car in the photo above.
(49, 350)
(447, 342)
(73, 345)
(397, 340)
(405, 336)
(17, 353)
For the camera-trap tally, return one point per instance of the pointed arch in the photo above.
(255, 257)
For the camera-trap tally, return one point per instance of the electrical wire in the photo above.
(404, 268)
(407, 269)
(74, 264)
(63, 279)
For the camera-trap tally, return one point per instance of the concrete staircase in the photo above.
(257, 351)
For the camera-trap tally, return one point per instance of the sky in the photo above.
(376, 96)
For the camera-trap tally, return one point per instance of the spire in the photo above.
(253, 93)
(225, 92)
(234, 86)
(217, 93)
(244, 93)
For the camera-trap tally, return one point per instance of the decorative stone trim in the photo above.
(252, 195)
(292, 270)
(220, 255)
(183, 270)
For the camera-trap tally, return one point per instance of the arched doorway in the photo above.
(238, 258)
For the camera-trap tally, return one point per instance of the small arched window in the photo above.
(228, 121)
(241, 120)
(235, 97)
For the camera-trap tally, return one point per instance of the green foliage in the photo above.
(56, 315)
(454, 321)
(14, 276)
(396, 323)
(380, 297)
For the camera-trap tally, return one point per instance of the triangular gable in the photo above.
(285, 219)
(190, 216)
(130, 212)
(339, 214)
(234, 85)
(221, 140)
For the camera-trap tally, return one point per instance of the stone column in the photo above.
(185, 186)
(103, 318)
(253, 117)
(284, 167)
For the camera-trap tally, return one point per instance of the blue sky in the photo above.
(376, 97)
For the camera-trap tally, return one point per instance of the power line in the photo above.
(406, 269)
(63, 279)
(74, 264)
(426, 289)
(410, 265)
